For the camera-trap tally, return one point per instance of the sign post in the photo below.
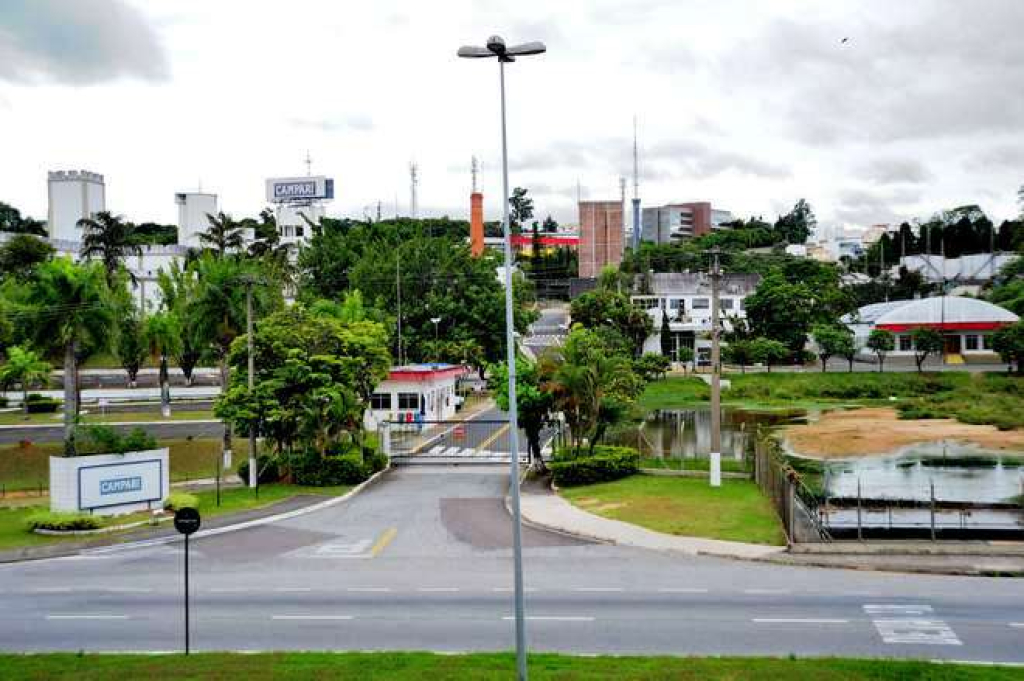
(186, 521)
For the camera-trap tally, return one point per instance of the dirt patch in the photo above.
(878, 431)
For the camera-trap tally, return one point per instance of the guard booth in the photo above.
(416, 393)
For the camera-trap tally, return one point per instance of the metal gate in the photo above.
(448, 442)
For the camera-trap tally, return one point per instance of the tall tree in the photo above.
(666, 336)
(926, 342)
(534, 404)
(69, 308)
(21, 254)
(521, 209)
(130, 342)
(798, 224)
(11, 220)
(549, 225)
(223, 235)
(179, 289)
(111, 239)
(220, 310)
(25, 369)
(162, 333)
(832, 341)
(1009, 343)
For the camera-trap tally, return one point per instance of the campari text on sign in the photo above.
(298, 189)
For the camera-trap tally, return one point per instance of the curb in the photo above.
(312, 508)
(161, 541)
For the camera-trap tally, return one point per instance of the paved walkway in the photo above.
(548, 510)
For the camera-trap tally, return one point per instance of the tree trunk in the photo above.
(165, 388)
(24, 399)
(226, 445)
(824, 362)
(70, 398)
(881, 364)
(850, 360)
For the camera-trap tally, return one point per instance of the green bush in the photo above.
(41, 404)
(62, 521)
(328, 471)
(105, 440)
(270, 469)
(3, 401)
(180, 500)
(606, 464)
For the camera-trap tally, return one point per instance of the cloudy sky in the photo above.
(748, 104)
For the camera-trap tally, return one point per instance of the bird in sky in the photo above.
(845, 40)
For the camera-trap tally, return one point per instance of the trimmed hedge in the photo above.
(607, 463)
(327, 471)
(41, 404)
(179, 500)
(63, 521)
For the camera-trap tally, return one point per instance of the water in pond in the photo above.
(686, 433)
(960, 473)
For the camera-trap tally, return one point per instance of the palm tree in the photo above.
(162, 332)
(25, 368)
(223, 235)
(111, 239)
(219, 310)
(69, 308)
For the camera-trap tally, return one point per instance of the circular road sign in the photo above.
(186, 520)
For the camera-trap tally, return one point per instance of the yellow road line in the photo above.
(383, 541)
(498, 433)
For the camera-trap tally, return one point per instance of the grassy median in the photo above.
(689, 507)
(18, 418)
(410, 666)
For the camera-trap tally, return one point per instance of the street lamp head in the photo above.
(496, 48)
(496, 44)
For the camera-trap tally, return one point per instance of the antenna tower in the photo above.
(474, 169)
(414, 180)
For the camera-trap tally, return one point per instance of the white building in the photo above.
(298, 202)
(966, 325)
(415, 392)
(686, 299)
(72, 196)
(193, 207)
(976, 268)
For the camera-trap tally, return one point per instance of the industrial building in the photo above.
(966, 325)
(298, 201)
(601, 236)
(675, 222)
(73, 195)
(685, 298)
(193, 208)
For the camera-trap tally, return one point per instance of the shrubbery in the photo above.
(606, 464)
(41, 404)
(179, 500)
(106, 440)
(270, 469)
(63, 521)
(346, 469)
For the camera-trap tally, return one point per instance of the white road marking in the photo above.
(368, 589)
(600, 589)
(682, 590)
(129, 589)
(87, 617)
(913, 627)
(797, 620)
(228, 589)
(438, 589)
(290, 589)
(1017, 624)
(554, 618)
(764, 592)
(312, 617)
(52, 590)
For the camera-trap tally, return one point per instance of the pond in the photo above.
(959, 471)
(686, 433)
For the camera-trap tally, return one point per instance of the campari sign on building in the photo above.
(287, 189)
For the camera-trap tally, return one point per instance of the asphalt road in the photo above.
(161, 431)
(422, 561)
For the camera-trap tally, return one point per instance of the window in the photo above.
(701, 304)
(647, 303)
(970, 342)
(906, 344)
(299, 231)
(743, 303)
(408, 400)
(726, 303)
(380, 401)
(986, 341)
(674, 303)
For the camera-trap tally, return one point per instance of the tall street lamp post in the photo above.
(496, 48)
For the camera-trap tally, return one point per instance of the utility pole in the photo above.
(398, 287)
(716, 379)
(254, 472)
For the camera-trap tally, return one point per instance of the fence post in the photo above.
(385, 438)
(860, 529)
(790, 509)
(932, 484)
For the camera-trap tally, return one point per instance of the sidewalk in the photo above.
(543, 508)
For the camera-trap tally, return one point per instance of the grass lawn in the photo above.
(410, 666)
(94, 416)
(13, 533)
(27, 467)
(736, 511)
(994, 399)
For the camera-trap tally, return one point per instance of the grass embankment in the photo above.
(15, 534)
(993, 399)
(736, 511)
(27, 467)
(56, 419)
(409, 666)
